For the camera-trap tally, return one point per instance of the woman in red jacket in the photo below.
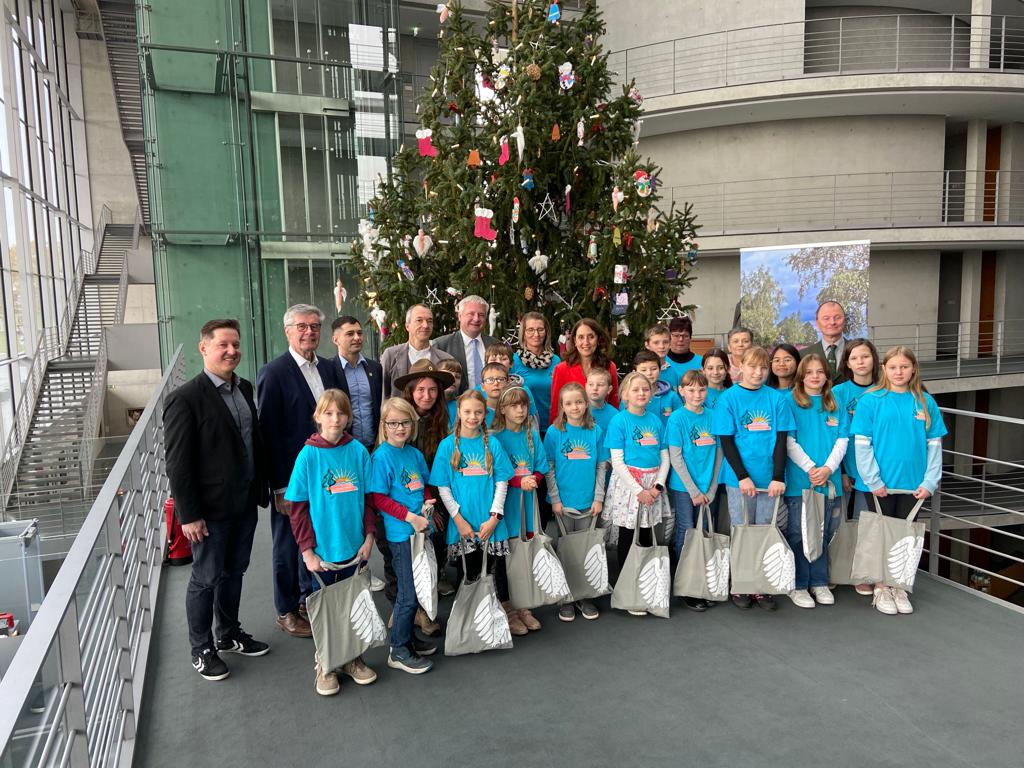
(586, 349)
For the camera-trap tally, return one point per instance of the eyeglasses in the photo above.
(405, 424)
(534, 331)
(303, 327)
(495, 380)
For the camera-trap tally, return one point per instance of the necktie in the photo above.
(478, 362)
(830, 357)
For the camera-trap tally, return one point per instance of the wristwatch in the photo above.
(499, 515)
(660, 487)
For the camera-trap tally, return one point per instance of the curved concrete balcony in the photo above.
(898, 208)
(852, 65)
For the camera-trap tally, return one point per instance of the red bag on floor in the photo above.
(179, 549)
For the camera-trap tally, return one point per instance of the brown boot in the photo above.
(515, 624)
(294, 625)
(427, 625)
(528, 619)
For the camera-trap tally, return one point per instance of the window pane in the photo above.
(316, 175)
(293, 185)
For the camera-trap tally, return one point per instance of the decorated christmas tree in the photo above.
(525, 187)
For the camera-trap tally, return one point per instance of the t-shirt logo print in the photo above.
(339, 481)
(701, 435)
(644, 436)
(411, 481)
(575, 450)
(473, 465)
(522, 466)
(756, 421)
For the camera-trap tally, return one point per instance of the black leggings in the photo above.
(894, 505)
(626, 541)
(495, 566)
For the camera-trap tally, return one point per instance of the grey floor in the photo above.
(829, 688)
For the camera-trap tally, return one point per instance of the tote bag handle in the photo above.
(775, 512)
(913, 512)
(335, 567)
(577, 516)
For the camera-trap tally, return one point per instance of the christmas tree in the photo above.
(525, 187)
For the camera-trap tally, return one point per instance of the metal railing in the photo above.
(875, 200)
(959, 348)
(94, 412)
(106, 217)
(824, 48)
(73, 691)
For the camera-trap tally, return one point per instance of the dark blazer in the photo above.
(204, 449)
(452, 344)
(395, 362)
(375, 374)
(286, 408)
(819, 349)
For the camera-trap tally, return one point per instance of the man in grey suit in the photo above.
(831, 321)
(468, 345)
(396, 360)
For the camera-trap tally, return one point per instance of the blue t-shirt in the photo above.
(713, 395)
(895, 422)
(694, 363)
(816, 432)
(603, 416)
(334, 481)
(471, 485)
(670, 375)
(847, 395)
(753, 417)
(524, 463)
(665, 404)
(538, 383)
(639, 437)
(576, 452)
(529, 396)
(453, 413)
(692, 433)
(401, 474)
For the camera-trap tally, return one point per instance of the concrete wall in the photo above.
(1006, 441)
(127, 389)
(1009, 285)
(716, 291)
(110, 170)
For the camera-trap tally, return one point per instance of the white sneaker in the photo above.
(902, 601)
(823, 595)
(801, 598)
(376, 585)
(637, 613)
(864, 589)
(884, 601)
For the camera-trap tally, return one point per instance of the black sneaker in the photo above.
(742, 601)
(766, 601)
(242, 644)
(422, 648)
(208, 664)
(695, 603)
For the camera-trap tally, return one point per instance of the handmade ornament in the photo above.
(502, 76)
(622, 327)
(581, 132)
(621, 275)
(642, 182)
(554, 13)
(599, 293)
(627, 239)
(528, 293)
(636, 131)
(379, 316)
(617, 197)
(671, 274)
(520, 137)
(634, 94)
(425, 140)
(538, 263)
(566, 77)
(652, 220)
(533, 71)
(483, 228)
(515, 210)
(453, 108)
(616, 236)
(691, 256)
(547, 208)
(473, 161)
(592, 249)
(453, 292)
(503, 153)
(568, 201)
(443, 11)
(422, 243)
(340, 295)
(492, 320)
(620, 304)
(406, 271)
(556, 132)
(527, 178)
(432, 298)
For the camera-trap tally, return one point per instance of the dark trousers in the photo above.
(495, 566)
(390, 579)
(626, 541)
(440, 534)
(215, 589)
(894, 505)
(292, 581)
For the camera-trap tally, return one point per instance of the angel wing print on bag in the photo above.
(549, 574)
(904, 557)
(491, 623)
(424, 576)
(779, 567)
(655, 583)
(596, 566)
(366, 622)
(717, 572)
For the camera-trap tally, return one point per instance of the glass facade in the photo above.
(263, 155)
(46, 219)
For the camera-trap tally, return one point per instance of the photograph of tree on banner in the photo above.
(782, 288)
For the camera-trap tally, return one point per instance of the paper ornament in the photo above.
(566, 77)
(627, 239)
(501, 78)
(642, 182)
(340, 295)
(520, 137)
(406, 271)
(527, 178)
(483, 228)
(617, 197)
(528, 293)
(616, 236)
(492, 320)
(546, 209)
(425, 140)
(671, 274)
(515, 210)
(538, 263)
(622, 327)
(636, 131)
(473, 161)
(503, 154)
(453, 292)
(554, 13)
(592, 250)
(621, 304)
(568, 201)
(634, 94)
(432, 298)
(533, 71)
(556, 132)
(422, 243)
(581, 132)
(443, 11)
(621, 275)
(379, 317)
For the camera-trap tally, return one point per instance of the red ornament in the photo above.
(600, 293)
(453, 107)
(628, 240)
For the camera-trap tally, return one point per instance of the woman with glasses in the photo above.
(535, 362)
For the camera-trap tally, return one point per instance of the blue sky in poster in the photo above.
(775, 261)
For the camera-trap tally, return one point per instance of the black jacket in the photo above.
(374, 374)
(206, 456)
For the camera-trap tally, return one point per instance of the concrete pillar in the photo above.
(974, 181)
(981, 33)
(964, 433)
(970, 300)
(1010, 188)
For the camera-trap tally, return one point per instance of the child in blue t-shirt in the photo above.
(577, 467)
(471, 473)
(815, 448)
(330, 518)
(599, 384)
(664, 399)
(715, 365)
(696, 460)
(398, 489)
(751, 422)
(511, 428)
(898, 433)
(640, 468)
(860, 370)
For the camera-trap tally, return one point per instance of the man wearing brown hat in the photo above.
(396, 360)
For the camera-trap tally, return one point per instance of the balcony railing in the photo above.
(877, 200)
(824, 48)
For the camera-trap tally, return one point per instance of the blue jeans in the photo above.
(405, 599)
(333, 577)
(686, 515)
(762, 509)
(861, 503)
(811, 574)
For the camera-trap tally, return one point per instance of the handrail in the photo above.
(92, 698)
(826, 47)
(93, 411)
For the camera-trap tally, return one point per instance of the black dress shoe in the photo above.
(742, 601)
(695, 604)
(767, 602)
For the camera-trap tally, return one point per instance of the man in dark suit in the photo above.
(217, 468)
(288, 388)
(831, 321)
(359, 378)
(468, 345)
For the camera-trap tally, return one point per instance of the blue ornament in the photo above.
(554, 14)
(527, 178)
(405, 270)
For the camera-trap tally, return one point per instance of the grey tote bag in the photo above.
(645, 581)
(584, 559)
(343, 617)
(812, 521)
(761, 560)
(535, 575)
(888, 548)
(478, 622)
(424, 572)
(840, 551)
(703, 569)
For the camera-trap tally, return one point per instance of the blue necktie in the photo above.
(478, 362)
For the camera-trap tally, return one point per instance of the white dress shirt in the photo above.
(309, 372)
